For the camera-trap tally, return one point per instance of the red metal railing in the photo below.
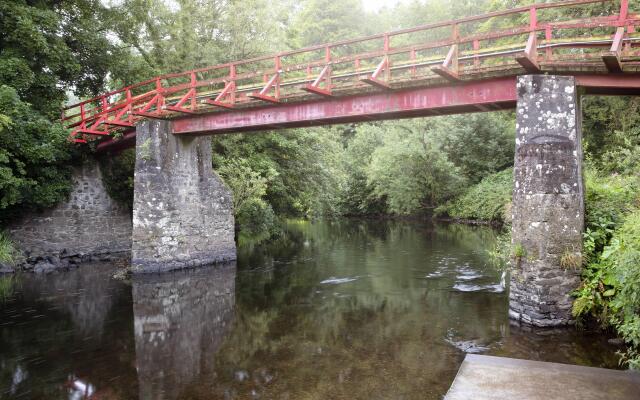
(533, 38)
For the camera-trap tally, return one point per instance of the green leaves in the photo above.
(34, 158)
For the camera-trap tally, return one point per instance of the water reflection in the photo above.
(180, 320)
(331, 310)
(67, 335)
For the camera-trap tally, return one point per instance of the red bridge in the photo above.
(457, 66)
(538, 59)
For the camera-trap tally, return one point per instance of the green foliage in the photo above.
(610, 278)
(34, 158)
(47, 48)
(190, 34)
(500, 255)
(412, 166)
(608, 199)
(8, 251)
(485, 201)
(478, 144)
(247, 185)
(257, 220)
(409, 171)
(117, 175)
(623, 255)
(518, 251)
(302, 167)
(611, 133)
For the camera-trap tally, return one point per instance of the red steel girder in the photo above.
(464, 97)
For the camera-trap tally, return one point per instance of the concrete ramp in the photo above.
(497, 378)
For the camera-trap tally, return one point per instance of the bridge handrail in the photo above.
(123, 109)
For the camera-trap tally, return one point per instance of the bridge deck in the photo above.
(497, 378)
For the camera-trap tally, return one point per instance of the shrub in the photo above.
(623, 257)
(485, 201)
(256, 218)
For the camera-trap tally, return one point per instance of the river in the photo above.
(330, 310)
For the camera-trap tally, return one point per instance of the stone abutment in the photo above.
(88, 225)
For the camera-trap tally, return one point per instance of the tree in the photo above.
(478, 144)
(35, 157)
(50, 47)
(410, 171)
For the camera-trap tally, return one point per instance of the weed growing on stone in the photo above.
(8, 252)
(518, 251)
(570, 260)
(145, 150)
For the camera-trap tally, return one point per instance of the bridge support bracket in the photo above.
(449, 70)
(374, 78)
(612, 59)
(529, 58)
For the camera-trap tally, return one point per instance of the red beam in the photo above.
(464, 97)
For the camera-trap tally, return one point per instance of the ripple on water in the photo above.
(466, 287)
(336, 281)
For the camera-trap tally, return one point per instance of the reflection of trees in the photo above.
(380, 335)
(74, 323)
(180, 319)
(568, 346)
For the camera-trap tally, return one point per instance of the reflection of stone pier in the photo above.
(180, 321)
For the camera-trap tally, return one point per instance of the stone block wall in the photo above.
(182, 213)
(88, 225)
(548, 201)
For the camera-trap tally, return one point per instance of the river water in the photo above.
(331, 310)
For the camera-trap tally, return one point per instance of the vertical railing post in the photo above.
(327, 60)
(624, 12)
(278, 66)
(194, 104)
(232, 80)
(476, 58)
(387, 72)
(160, 94)
(412, 57)
(129, 106)
(548, 35)
(82, 116)
(533, 19)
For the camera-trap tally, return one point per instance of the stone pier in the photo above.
(548, 201)
(182, 212)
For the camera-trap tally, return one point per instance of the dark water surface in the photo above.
(332, 310)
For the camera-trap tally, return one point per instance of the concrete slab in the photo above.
(497, 378)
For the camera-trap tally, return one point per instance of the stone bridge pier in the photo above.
(548, 201)
(182, 211)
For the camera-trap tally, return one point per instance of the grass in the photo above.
(570, 260)
(8, 252)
